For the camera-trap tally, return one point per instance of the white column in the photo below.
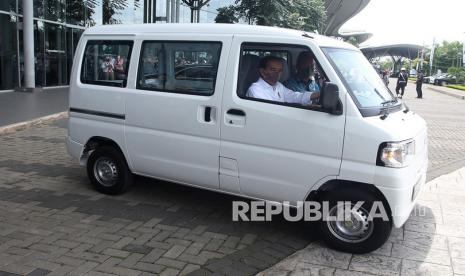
(28, 44)
(168, 11)
(173, 11)
(178, 5)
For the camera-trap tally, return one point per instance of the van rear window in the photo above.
(106, 62)
(179, 67)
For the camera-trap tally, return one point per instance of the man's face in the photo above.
(305, 67)
(272, 72)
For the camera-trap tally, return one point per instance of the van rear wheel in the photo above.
(108, 171)
(358, 232)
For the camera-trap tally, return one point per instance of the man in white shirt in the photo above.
(269, 88)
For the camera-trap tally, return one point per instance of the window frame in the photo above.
(94, 42)
(288, 45)
(141, 56)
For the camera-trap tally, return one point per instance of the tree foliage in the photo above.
(110, 8)
(307, 15)
(448, 54)
(227, 15)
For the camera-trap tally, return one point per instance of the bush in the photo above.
(458, 72)
(457, 86)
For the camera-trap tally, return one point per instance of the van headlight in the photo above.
(396, 154)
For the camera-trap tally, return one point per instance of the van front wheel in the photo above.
(355, 231)
(108, 171)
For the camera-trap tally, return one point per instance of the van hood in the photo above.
(400, 126)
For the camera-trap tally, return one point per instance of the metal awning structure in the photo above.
(339, 11)
(409, 51)
(360, 35)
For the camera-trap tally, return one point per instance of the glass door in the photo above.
(55, 55)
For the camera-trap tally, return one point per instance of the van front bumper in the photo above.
(401, 188)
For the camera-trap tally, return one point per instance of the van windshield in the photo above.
(361, 78)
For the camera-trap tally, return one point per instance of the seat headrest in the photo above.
(248, 73)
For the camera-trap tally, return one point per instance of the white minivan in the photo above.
(174, 102)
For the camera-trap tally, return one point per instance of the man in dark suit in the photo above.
(401, 82)
(419, 82)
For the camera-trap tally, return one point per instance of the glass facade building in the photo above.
(58, 25)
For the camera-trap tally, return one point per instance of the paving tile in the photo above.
(413, 268)
(148, 267)
(318, 254)
(379, 265)
(426, 240)
(458, 265)
(420, 253)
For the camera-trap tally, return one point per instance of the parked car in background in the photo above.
(445, 79)
(433, 77)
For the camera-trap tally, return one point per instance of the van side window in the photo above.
(106, 62)
(280, 74)
(179, 67)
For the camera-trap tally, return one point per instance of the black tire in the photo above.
(108, 171)
(373, 234)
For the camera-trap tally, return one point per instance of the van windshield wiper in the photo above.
(389, 103)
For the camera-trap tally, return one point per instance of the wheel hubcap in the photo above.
(354, 230)
(105, 171)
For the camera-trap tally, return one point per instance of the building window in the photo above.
(106, 63)
(179, 67)
(8, 5)
(8, 53)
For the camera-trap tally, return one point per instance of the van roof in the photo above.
(212, 28)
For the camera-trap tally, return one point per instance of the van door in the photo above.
(172, 123)
(280, 150)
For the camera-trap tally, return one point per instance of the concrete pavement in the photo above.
(17, 107)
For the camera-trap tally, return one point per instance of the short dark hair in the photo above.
(266, 60)
(303, 55)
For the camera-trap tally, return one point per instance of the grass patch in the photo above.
(457, 86)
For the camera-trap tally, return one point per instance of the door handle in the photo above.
(236, 112)
(208, 114)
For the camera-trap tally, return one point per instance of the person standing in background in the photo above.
(419, 83)
(401, 82)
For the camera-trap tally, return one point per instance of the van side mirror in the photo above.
(329, 99)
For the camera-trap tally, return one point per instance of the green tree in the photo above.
(81, 12)
(352, 40)
(307, 15)
(458, 72)
(110, 8)
(386, 64)
(447, 55)
(226, 15)
(313, 14)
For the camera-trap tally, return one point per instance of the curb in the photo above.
(24, 125)
(447, 93)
